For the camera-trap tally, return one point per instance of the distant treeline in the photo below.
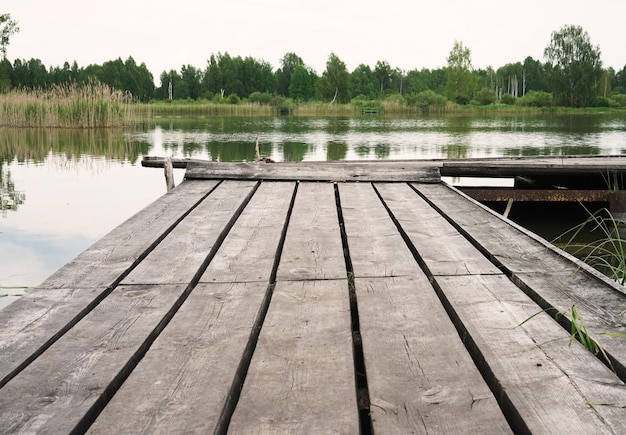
(228, 79)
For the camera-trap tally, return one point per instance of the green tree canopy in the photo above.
(619, 81)
(574, 67)
(334, 85)
(302, 83)
(6, 69)
(226, 75)
(363, 82)
(460, 83)
(8, 27)
(382, 71)
(289, 62)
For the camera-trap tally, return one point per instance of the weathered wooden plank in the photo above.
(184, 385)
(159, 162)
(108, 258)
(424, 171)
(558, 279)
(313, 247)
(40, 316)
(55, 392)
(418, 371)
(547, 195)
(249, 251)
(181, 384)
(510, 167)
(301, 378)
(444, 250)
(505, 243)
(179, 256)
(550, 384)
(378, 249)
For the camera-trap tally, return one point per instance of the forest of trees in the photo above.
(572, 75)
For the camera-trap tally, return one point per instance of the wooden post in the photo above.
(509, 204)
(258, 154)
(169, 173)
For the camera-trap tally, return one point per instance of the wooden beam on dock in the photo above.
(423, 172)
(523, 166)
(541, 195)
(159, 162)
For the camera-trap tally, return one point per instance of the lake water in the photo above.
(61, 190)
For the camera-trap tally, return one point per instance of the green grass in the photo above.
(607, 253)
(578, 331)
(95, 105)
(91, 105)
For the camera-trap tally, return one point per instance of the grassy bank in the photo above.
(87, 106)
(384, 107)
(208, 108)
(98, 106)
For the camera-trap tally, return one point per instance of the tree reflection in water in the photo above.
(10, 199)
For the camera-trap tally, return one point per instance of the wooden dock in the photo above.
(315, 298)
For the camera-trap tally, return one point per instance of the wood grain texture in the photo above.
(422, 171)
(419, 373)
(313, 247)
(550, 383)
(102, 263)
(556, 277)
(55, 392)
(249, 250)
(182, 382)
(510, 167)
(443, 249)
(179, 256)
(301, 378)
(35, 321)
(506, 244)
(39, 317)
(376, 246)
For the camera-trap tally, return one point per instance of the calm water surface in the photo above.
(62, 190)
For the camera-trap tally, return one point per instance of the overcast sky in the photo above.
(407, 34)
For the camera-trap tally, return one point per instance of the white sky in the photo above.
(407, 34)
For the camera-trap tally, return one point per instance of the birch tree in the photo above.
(8, 27)
(574, 67)
(460, 82)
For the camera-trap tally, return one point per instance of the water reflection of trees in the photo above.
(34, 145)
(565, 150)
(382, 151)
(336, 151)
(456, 151)
(295, 151)
(10, 199)
(237, 151)
(26, 145)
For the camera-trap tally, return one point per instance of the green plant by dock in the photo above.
(607, 253)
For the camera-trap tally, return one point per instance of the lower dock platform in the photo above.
(335, 298)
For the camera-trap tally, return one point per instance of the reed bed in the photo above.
(202, 108)
(92, 105)
(324, 109)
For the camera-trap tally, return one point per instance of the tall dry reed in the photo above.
(91, 105)
(201, 108)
